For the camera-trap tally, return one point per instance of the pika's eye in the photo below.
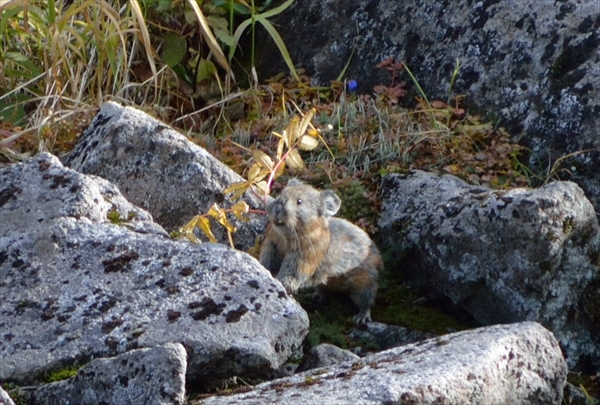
(299, 201)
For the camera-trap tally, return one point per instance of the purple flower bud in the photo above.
(352, 85)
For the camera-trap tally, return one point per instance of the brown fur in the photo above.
(306, 247)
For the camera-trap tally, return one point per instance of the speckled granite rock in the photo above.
(5, 399)
(76, 286)
(160, 170)
(154, 376)
(532, 64)
(504, 256)
(503, 364)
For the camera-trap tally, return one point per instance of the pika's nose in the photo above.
(276, 212)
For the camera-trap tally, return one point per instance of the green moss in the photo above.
(61, 374)
(400, 305)
(115, 217)
(356, 205)
(329, 321)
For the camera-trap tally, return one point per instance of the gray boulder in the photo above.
(504, 256)
(325, 355)
(153, 376)
(160, 170)
(503, 364)
(75, 286)
(532, 64)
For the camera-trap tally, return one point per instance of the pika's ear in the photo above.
(330, 203)
(294, 182)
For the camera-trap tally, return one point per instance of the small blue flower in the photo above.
(352, 85)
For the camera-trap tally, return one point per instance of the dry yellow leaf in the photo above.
(263, 159)
(240, 185)
(305, 121)
(280, 168)
(262, 186)
(307, 142)
(280, 148)
(294, 160)
(218, 214)
(240, 210)
(291, 132)
(204, 225)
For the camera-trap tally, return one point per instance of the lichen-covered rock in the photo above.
(160, 170)
(503, 364)
(504, 256)
(153, 376)
(325, 355)
(531, 63)
(76, 286)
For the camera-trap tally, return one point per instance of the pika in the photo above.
(307, 247)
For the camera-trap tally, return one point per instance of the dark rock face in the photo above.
(504, 256)
(532, 64)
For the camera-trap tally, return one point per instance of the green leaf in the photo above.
(24, 62)
(206, 70)
(12, 109)
(164, 5)
(220, 28)
(182, 73)
(174, 50)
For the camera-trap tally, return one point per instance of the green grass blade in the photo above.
(414, 79)
(237, 35)
(276, 10)
(343, 72)
(280, 44)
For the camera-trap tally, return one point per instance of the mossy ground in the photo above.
(396, 304)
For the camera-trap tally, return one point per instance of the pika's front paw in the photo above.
(290, 284)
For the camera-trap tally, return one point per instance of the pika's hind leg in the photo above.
(364, 299)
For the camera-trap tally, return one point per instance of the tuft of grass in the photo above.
(59, 62)
(61, 374)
